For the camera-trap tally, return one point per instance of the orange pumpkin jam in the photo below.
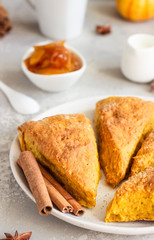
(53, 58)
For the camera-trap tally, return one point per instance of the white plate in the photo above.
(93, 218)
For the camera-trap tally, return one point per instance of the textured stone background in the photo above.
(102, 77)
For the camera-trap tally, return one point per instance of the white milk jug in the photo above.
(138, 58)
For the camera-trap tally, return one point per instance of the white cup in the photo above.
(60, 19)
(138, 58)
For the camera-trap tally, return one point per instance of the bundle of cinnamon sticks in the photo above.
(45, 188)
(5, 24)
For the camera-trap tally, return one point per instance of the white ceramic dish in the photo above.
(93, 218)
(54, 82)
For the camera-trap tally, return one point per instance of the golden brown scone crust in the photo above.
(121, 124)
(67, 146)
(134, 199)
(145, 156)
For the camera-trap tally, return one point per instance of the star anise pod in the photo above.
(23, 236)
(103, 29)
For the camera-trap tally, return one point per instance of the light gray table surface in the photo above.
(102, 77)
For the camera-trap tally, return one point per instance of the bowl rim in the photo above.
(31, 49)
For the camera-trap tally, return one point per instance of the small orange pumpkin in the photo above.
(136, 10)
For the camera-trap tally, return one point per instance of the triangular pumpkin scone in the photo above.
(134, 199)
(121, 124)
(67, 146)
(145, 156)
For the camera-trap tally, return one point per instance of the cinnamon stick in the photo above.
(77, 208)
(57, 198)
(2, 32)
(3, 12)
(152, 85)
(36, 182)
(5, 24)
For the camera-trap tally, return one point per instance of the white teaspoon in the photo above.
(19, 101)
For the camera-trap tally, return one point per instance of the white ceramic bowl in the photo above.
(54, 82)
